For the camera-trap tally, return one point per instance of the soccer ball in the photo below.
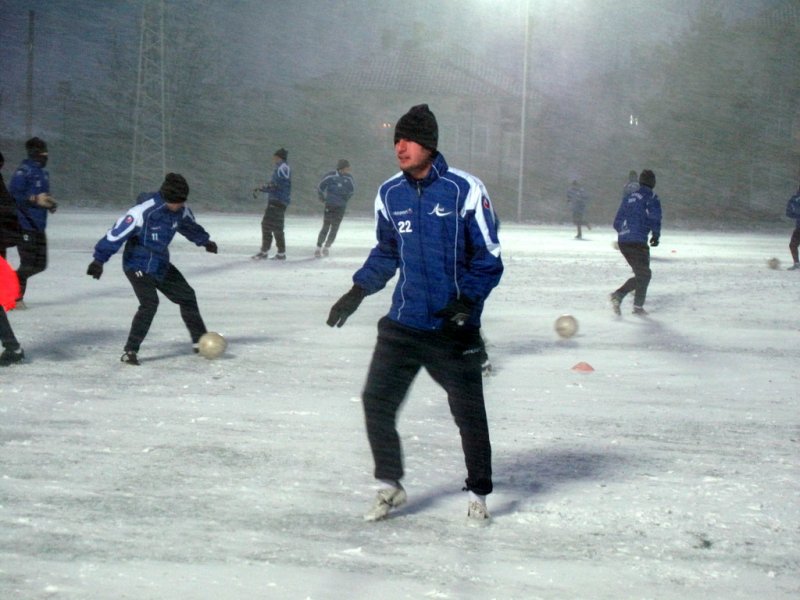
(773, 263)
(566, 326)
(211, 345)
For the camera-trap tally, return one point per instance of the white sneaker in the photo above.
(477, 513)
(387, 499)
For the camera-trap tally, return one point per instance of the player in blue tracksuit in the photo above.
(638, 217)
(279, 195)
(436, 231)
(147, 230)
(633, 183)
(793, 212)
(335, 190)
(30, 187)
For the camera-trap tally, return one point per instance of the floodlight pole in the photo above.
(29, 86)
(523, 112)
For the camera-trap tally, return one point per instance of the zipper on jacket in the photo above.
(423, 265)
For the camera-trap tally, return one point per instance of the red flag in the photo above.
(9, 285)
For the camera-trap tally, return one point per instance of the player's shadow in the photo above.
(532, 346)
(177, 349)
(524, 476)
(69, 345)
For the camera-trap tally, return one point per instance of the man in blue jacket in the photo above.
(30, 187)
(793, 212)
(279, 191)
(335, 189)
(147, 230)
(639, 215)
(436, 231)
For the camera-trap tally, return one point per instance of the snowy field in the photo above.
(669, 472)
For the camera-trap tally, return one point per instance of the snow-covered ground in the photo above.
(669, 472)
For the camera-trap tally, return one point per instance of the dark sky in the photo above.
(283, 42)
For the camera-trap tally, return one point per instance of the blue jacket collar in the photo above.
(438, 168)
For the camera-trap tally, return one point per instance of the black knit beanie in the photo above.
(174, 189)
(647, 178)
(35, 147)
(418, 125)
(281, 153)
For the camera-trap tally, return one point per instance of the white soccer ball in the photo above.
(211, 345)
(773, 263)
(566, 326)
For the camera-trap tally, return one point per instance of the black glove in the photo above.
(95, 269)
(458, 311)
(654, 240)
(346, 306)
(211, 247)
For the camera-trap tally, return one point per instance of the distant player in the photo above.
(147, 230)
(632, 185)
(638, 216)
(279, 194)
(334, 191)
(577, 200)
(793, 212)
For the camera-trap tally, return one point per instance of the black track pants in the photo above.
(638, 257)
(176, 289)
(454, 362)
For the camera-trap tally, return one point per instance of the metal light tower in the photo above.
(523, 112)
(29, 86)
(149, 161)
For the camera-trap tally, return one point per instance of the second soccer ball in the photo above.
(566, 326)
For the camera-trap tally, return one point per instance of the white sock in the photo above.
(391, 483)
(477, 498)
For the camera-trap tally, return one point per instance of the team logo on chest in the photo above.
(439, 211)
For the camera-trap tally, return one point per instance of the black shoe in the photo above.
(279, 256)
(638, 310)
(130, 358)
(615, 304)
(9, 357)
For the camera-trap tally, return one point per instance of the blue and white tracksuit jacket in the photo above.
(279, 188)
(336, 188)
(147, 230)
(30, 179)
(440, 235)
(638, 215)
(793, 209)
